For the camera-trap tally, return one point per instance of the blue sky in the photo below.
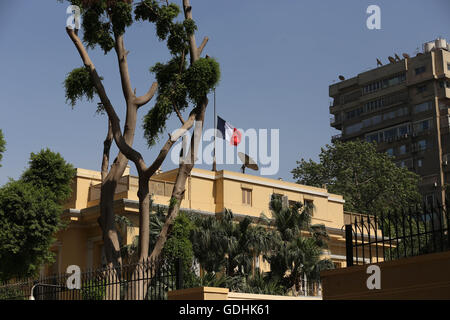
(277, 60)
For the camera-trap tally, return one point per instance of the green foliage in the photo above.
(2, 146)
(30, 210)
(369, 181)
(121, 17)
(294, 255)
(189, 26)
(220, 242)
(79, 84)
(226, 248)
(172, 93)
(103, 21)
(178, 244)
(155, 120)
(12, 292)
(147, 10)
(218, 280)
(49, 171)
(173, 202)
(29, 220)
(261, 283)
(202, 76)
(176, 82)
(161, 15)
(96, 27)
(93, 290)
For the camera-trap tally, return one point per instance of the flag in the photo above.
(228, 132)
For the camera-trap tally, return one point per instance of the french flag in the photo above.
(229, 132)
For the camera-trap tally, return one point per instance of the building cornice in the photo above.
(225, 175)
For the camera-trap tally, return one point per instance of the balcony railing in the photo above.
(336, 137)
(127, 183)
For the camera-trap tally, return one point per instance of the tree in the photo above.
(30, 210)
(369, 181)
(2, 146)
(297, 245)
(222, 243)
(104, 24)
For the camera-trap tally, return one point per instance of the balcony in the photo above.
(129, 185)
(336, 137)
(336, 122)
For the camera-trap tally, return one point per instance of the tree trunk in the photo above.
(106, 220)
(179, 189)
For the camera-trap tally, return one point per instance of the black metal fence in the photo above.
(147, 280)
(398, 234)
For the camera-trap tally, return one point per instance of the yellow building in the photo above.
(207, 193)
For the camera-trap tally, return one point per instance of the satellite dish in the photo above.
(397, 57)
(379, 63)
(341, 78)
(248, 162)
(391, 60)
(405, 55)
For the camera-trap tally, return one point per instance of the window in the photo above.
(448, 66)
(425, 106)
(309, 205)
(429, 200)
(247, 196)
(353, 128)
(402, 149)
(421, 126)
(389, 134)
(405, 163)
(422, 145)
(400, 112)
(390, 151)
(444, 84)
(403, 130)
(421, 89)
(354, 113)
(419, 163)
(381, 84)
(420, 70)
(372, 137)
(372, 121)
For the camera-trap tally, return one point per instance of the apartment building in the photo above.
(404, 107)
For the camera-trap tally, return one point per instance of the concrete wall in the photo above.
(421, 277)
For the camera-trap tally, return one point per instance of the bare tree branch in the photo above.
(179, 114)
(123, 68)
(128, 151)
(192, 44)
(142, 100)
(202, 45)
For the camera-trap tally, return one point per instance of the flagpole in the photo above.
(214, 168)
